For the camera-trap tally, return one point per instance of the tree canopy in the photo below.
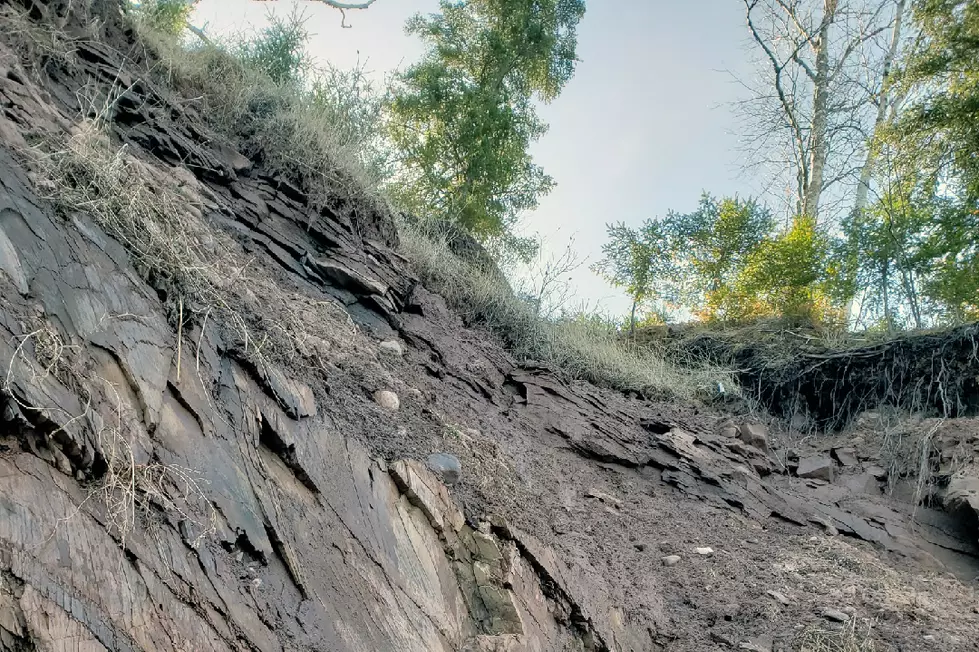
(463, 117)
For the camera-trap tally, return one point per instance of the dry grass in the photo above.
(848, 638)
(579, 347)
(126, 488)
(37, 44)
(279, 124)
(199, 269)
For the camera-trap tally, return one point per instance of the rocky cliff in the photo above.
(219, 395)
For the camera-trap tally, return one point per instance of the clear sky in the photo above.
(643, 126)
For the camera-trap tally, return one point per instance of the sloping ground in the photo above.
(193, 458)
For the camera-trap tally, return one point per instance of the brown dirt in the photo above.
(593, 487)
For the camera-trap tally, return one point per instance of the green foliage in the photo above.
(639, 261)
(462, 118)
(691, 260)
(279, 50)
(918, 245)
(786, 275)
(715, 243)
(944, 76)
(166, 16)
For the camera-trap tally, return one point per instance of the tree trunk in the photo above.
(818, 132)
(866, 173)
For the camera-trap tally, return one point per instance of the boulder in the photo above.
(819, 467)
(754, 434)
(445, 466)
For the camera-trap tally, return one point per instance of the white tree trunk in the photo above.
(883, 104)
(818, 132)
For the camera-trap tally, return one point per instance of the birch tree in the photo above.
(810, 113)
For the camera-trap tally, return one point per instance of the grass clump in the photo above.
(317, 128)
(845, 639)
(581, 346)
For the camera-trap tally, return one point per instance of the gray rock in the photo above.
(392, 347)
(754, 434)
(670, 560)
(729, 431)
(760, 644)
(828, 527)
(818, 467)
(878, 472)
(387, 400)
(704, 552)
(608, 499)
(446, 466)
(778, 597)
(962, 495)
(845, 456)
(836, 615)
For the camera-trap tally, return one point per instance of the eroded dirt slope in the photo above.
(184, 475)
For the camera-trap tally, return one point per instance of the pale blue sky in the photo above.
(642, 127)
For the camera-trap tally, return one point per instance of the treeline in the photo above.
(867, 116)
(864, 117)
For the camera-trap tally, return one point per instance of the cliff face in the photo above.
(193, 454)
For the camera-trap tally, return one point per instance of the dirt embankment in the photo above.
(795, 373)
(194, 454)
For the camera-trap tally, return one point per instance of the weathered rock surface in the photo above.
(273, 506)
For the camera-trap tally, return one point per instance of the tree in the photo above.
(824, 66)
(933, 147)
(714, 243)
(686, 260)
(463, 117)
(640, 262)
(786, 275)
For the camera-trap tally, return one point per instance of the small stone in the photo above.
(729, 431)
(754, 434)
(704, 552)
(446, 466)
(387, 400)
(828, 527)
(670, 560)
(778, 597)
(392, 347)
(257, 582)
(639, 546)
(835, 615)
(819, 467)
(604, 497)
(845, 456)
(877, 471)
(761, 644)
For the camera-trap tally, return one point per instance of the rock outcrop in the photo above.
(197, 460)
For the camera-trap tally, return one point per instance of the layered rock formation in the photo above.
(197, 460)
